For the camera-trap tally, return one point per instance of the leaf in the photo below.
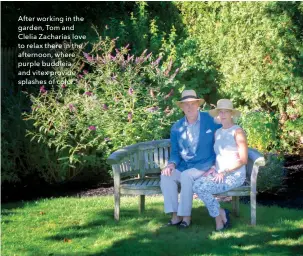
(66, 240)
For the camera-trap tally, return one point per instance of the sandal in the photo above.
(170, 223)
(183, 225)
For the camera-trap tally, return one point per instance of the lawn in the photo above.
(85, 226)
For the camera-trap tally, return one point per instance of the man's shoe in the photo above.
(183, 225)
(170, 224)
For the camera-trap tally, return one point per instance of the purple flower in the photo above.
(113, 77)
(63, 86)
(105, 107)
(130, 116)
(111, 57)
(92, 128)
(143, 53)
(130, 91)
(174, 74)
(85, 71)
(148, 55)
(106, 139)
(80, 76)
(152, 94)
(152, 109)
(88, 57)
(88, 93)
(71, 108)
(42, 89)
(157, 61)
(129, 58)
(168, 68)
(171, 92)
(139, 60)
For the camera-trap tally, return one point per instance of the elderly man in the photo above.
(192, 153)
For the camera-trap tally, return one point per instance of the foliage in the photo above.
(256, 48)
(261, 129)
(110, 99)
(271, 176)
(21, 159)
(12, 133)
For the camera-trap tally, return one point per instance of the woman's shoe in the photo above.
(227, 223)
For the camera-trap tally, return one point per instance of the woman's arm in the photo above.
(241, 142)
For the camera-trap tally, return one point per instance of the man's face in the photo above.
(190, 108)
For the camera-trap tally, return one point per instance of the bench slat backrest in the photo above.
(145, 158)
(150, 158)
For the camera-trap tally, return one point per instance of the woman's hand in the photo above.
(210, 171)
(218, 177)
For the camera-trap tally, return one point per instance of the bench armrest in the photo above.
(256, 157)
(118, 156)
(258, 160)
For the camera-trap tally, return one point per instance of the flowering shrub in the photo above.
(109, 100)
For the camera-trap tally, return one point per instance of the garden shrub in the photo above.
(12, 136)
(22, 160)
(110, 100)
(256, 49)
(261, 129)
(271, 176)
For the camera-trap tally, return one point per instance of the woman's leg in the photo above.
(204, 187)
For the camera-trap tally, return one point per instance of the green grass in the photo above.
(85, 226)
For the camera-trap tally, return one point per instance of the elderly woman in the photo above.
(231, 157)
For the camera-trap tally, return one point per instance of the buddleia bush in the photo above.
(108, 100)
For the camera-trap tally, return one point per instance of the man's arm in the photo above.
(174, 150)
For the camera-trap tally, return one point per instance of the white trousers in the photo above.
(169, 187)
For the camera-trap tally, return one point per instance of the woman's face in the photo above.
(225, 116)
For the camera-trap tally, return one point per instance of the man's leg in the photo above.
(186, 195)
(169, 188)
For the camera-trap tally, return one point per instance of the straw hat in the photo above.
(189, 95)
(224, 104)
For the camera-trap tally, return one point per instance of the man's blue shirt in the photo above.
(181, 153)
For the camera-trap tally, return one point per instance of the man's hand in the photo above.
(218, 177)
(168, 169)
(209, 172)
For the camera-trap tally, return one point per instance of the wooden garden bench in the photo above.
(137, 171)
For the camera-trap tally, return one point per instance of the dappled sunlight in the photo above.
(287, 242)
(229, 234)
(246, 248)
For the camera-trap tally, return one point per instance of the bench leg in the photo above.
(235, 205)
(117, 205)
(253, 208)
(141, 203)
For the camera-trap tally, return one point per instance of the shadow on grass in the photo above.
(243, 239)
(276, 233)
